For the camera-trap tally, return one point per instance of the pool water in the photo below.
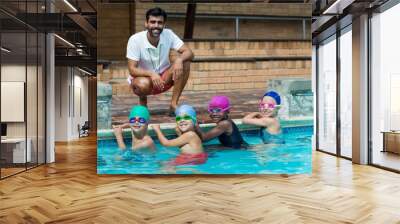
(293, 157)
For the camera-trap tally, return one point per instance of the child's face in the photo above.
(185, 123)
(268, 107)
(217, 114)
(138, 124)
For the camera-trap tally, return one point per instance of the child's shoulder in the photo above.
(190, 135)
(274, 121)
(225, 123)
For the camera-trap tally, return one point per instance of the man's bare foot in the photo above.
(171, 111)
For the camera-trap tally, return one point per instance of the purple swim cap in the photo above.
(219, 102)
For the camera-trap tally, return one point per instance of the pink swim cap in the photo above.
(219, 102)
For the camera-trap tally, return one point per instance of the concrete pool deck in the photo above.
(242, 103)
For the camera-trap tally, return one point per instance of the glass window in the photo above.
(346, 92)
(22, 91)
(327, 95)
(385, 88)
(31, 97)
(13, 86)
(41, 87)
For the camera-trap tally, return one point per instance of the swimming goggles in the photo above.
(216, 110)
(183, 118)
(141, 120)
(268, 105)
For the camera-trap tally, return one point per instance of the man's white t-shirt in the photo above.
(149, 57)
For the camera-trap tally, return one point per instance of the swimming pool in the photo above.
(293, 157)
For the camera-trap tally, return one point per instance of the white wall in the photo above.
(80, 83)
(61, 103)
(14, 73)
(70, 83)
(33, 126)
(13, 101)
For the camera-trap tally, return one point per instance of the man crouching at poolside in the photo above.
(148, 60)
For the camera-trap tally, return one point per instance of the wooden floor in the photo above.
(10, 171)
(70, 191)
(387, 159)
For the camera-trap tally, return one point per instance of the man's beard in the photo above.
(154, 29)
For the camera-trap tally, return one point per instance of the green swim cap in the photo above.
(139, 111)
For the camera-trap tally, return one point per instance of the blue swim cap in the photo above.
(274, 95)
(188, 110)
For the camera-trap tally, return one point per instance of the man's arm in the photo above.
(138, 72)
(185, 54)
(134, 71)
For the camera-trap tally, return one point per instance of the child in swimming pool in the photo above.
(138, 123)
(267, 118)
(225, 130)
(188, 140)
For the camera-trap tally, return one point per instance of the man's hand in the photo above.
(177, 70)
(157, 81)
